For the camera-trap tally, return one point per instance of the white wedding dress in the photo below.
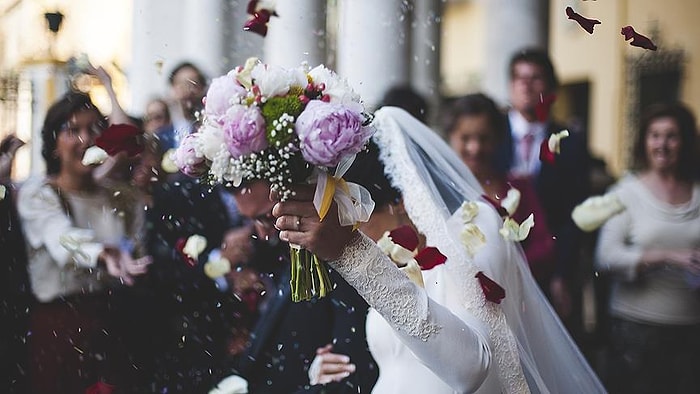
(447, 337)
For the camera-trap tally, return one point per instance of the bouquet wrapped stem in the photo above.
(309, 277)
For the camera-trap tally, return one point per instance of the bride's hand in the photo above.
(329, 367)
(299, 224)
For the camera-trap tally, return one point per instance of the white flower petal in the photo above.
(94, 155)
(513, 231)
(168, 164)
(592, 213)
(469, 211)
(194, 246)
(3, 190)
(554, 141)
(512, 200)
(413, 271)
(472, 238)
(233, 384)
(217, 268)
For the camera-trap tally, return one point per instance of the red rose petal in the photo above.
(492, 290)
(429, 258)
(585, 23)
(121, 138)
(405, 236)
(638, 40)
(100, 388)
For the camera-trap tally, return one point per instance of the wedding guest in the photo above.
(15, 298)
(8, 148)
(76, 232)
(474, 127)
(188, 85)
(652, 249)
(438, 334)
(198, 320)
(560, 186)
(287, 333)
(157, 115)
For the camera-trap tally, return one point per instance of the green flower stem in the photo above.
(309, 277)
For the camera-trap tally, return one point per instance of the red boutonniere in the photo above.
(492, 290)
(261, 12)
(544, 106)
(190, 248)
(121, 138)
(585, 23)
(100, 388)
(638, 40)
(179, 246)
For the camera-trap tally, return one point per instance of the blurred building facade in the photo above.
(444, 48)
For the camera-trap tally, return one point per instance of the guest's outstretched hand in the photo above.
(329, 367)
(299, 224)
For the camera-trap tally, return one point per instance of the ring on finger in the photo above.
(298, 223)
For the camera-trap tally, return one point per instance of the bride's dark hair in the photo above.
(368, 171)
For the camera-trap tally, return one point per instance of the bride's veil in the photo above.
(434, 183)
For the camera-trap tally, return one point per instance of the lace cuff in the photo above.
(385, 288)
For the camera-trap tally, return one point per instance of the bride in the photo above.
(443, 336)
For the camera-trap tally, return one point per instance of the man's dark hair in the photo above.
(539, 57)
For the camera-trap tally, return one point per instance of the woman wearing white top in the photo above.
(653, 250)
(446, 337)
(77, 238)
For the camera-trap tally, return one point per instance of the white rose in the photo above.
(336, 88)
(513, 231)
(243, 76)
(94, 155)
(592, 213)
(272, 80)
(210, 139)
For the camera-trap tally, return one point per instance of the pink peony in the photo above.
(244, 130)
(186, 158)
(330, 131)
(223, 92)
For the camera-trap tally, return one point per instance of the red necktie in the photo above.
(526, 147)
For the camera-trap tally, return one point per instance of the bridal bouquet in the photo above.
(284, 126)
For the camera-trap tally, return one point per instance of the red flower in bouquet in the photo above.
(638, 40)
(586, 23)
(492, 290)
(121, 138)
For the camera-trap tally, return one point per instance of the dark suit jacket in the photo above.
(179, 320)
(560, 187)
(285, 340)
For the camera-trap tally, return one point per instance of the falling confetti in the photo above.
(586, 23)
(638, 40)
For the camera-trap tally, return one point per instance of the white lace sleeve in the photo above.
(452, 347)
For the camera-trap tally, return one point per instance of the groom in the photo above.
(284, 341)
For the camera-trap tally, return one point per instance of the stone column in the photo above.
(511, 25)
(298, 34)
(373, 46)
(425, 48)
(202, 24)
(239, 45)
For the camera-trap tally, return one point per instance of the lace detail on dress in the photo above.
(431, 220)
(385, 288)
